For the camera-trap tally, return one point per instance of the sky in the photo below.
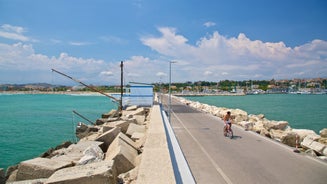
(197, 40)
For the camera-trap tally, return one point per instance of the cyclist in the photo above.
(228, 122)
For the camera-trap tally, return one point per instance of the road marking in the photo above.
(218, 169)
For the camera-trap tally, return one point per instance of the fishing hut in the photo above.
(138, 94)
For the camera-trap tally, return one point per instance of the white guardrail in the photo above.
(181, 168)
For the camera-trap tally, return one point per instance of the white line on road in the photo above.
(218, 169)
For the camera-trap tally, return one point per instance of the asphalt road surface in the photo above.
(248, 158)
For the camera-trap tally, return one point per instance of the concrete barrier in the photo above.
(156, 166)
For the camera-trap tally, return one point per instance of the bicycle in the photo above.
(228, 132)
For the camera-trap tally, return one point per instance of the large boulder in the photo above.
(123, 152)
(94, 173)
(239, 115)
(39, 168)
(132, 128)
(277, 125)
(108, 137)
(92, 154)
(2, 176)
(302, 133)
(323, 133)
(74, 152)
(309, 143)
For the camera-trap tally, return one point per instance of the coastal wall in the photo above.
(303, 140)
(131, 148)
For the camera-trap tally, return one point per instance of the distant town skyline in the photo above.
(208, 40)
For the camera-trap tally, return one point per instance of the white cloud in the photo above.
(79, 43)
(239, 58)
(13, 33)
(214, 57)
(209, 24)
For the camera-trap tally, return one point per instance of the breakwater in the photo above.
(115, 150)
(303, 140)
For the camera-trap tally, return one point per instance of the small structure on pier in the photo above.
(138, 94)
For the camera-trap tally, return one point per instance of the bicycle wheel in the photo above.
(230, 134)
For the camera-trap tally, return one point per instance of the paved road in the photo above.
(248, 158)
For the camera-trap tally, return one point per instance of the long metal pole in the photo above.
(169, 103)
(169, 106)
(121, 86)
(92, 88)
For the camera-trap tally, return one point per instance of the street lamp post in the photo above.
(169, 104)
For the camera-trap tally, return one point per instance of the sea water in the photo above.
(301, 111)
(30, 124)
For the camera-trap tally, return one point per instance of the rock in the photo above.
(111, 114)
(302, 133)
(137, 136)
(35, 181)
(129, 176)
(39, 168)
(131, 108)
(323, 141)
(247, 125)
(83, 130)
(323, 133)
(101, 121)
(140, 119)
(258, 127)
(94, 173)
(306, 142)
(122, 124)
(313, 136)
(311, 152)
(289, 139)
(2, 176)
(75, 151)
(92, 154)
(12, 176)
(108, 137)
(10, 171)
(123, 153)
(324, 152)
(309, 143)
(48, 153)
(277, 125)
(132, 128)
(318, 147)
(239, 115)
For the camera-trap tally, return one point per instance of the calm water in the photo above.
(301, 111)
(31, 124)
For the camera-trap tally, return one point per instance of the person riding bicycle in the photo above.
(227, 121)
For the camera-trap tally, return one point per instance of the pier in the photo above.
(247, 158)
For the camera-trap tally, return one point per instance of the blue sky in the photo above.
(210, 40)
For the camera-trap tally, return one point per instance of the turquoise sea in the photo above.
(32, 123)
(301, 111)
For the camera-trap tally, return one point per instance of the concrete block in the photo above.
(140, 119)
(123, 153)
(75, 151)
(108, 137)
(94, 173)
(36, 181)
(306, 142)
(132, 128)
(39, 168)
(122, 124)
(137, 136)
(318, 147)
